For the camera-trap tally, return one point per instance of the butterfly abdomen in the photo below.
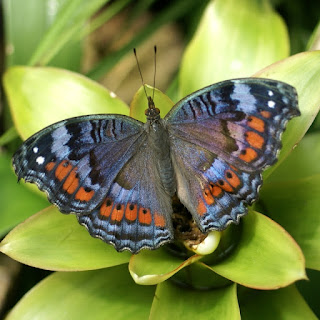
(159, 142)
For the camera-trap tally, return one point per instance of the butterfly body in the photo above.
(159, 142)
(118, 175)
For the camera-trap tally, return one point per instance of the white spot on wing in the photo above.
(40, 160)
(270, 93)
(271, 104)
(35, 149)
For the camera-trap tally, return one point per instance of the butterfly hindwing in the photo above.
(76, 160)
(215, 192)
(222, 137)
(136, 212)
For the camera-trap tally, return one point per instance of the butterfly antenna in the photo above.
(144, 87)
(155, 70)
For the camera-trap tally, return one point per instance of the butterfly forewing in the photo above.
(101, 168)
(222, 137)
(241, 120)
(76, 160)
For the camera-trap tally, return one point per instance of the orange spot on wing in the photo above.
(266, 114)
(249, 155)
(226, 186)
(232, 178)
(256, 123)
(131, 212)
(106, 207)
(215, 190)
(84, 195)
(159, 220)
(202, 209)
(63, 170)
(254, 139)
(208, 197)
(145, 216)
(72, 182)
(117, 212)
(50, 165)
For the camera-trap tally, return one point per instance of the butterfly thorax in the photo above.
(158, 141)
(152, 113)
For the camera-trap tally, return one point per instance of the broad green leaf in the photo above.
(284, 304)
(13, 211)
(173, 302)
(291, 197)
(295, 205)
(39, 97)
(234, 39)
(303, 72)
(100, 294)
(53, 241)
(266, 257)
(152, 267)
(140, 103)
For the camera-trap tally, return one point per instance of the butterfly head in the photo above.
(152, 113)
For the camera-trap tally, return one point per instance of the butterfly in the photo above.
(118, 175)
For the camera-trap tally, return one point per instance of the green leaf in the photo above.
(284, 304)
(104, 16)
(69, 21)
(100, 294)
(21, 41)
(199, 276)
(13, 211)
(8, 136)
(53, 241)
(314, 41)
(173, 302)
(152, 267)
(300, 164)
(39, 97)
(266, 257)
(234, 39)
(310, 290)
(303, 72)
(291, 197)
(140, 103)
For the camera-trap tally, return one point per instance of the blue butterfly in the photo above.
(118, 175)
